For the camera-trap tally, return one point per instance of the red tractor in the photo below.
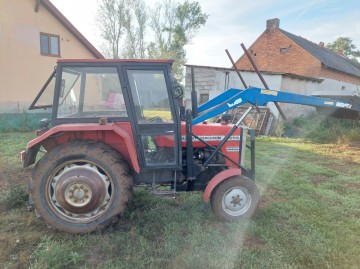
(118, 123)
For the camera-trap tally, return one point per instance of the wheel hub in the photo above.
(80, 191)
(236, 201)
(78, 194)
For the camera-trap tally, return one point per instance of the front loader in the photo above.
(116, 124)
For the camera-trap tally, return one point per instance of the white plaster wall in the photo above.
(214, 81)
(299, 86)
(335, 87)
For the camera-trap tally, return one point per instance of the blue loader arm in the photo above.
(260, 97)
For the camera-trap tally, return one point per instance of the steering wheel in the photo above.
(156, 119)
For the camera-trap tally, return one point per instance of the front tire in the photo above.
(81, 186)
(236, 198)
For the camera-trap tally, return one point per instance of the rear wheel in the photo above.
(81, 186)
(236, 198)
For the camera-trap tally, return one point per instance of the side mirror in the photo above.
(44, 123)
(178, 89)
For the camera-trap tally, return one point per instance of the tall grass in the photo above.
(321, 129)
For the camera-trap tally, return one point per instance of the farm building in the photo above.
(33, 35)
(288, 62)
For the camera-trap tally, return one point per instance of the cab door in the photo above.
(154, 118)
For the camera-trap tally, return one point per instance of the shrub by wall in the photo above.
(321, 129)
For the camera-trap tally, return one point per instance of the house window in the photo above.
(284, 50)
(49, 44)
(204, 97)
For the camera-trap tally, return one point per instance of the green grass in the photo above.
(308, 218)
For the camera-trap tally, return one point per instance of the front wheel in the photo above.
(81, 186)
(236, 198)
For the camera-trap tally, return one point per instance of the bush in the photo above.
(16, 197)
(321, 129)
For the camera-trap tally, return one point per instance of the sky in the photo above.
(232, 22)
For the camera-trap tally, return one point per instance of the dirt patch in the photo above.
(353, 185)
(271, 196)
(252, 242)
(354, 145)
(344, 167)
(2, 180)
(346, 153)
(318, 179)
(13, 178)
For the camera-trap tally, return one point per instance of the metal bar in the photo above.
(189, 147)
(243, 116)
(220, 153)
(218, 100)
(241, 144)
(252, 151)
(194, 102)
(261, 78)
(82, 92)
(231, 103)
(237, 70)
(226, 138)
(175, 183)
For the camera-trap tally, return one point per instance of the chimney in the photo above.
(272, 24)
(322, 44)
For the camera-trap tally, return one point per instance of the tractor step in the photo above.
(164, 192)
(156, 191)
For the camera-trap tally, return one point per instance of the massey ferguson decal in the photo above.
(232, 149)
(343, 105)
(208, 138)
(236, 102)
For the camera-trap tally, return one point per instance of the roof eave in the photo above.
(339, 71)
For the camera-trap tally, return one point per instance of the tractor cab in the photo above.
(137, 94)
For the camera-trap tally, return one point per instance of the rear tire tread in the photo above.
(98, 151)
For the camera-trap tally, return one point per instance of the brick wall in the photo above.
(329, 73)
(275, 52)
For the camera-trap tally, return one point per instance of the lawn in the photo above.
(309, 217)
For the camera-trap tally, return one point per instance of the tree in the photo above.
(174, 25)
(345, 46)
(136, 19)
(123, 25)
(111, 20)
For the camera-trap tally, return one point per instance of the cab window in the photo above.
(150, 96)
(87, 92)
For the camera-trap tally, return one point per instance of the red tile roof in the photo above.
(57, 14)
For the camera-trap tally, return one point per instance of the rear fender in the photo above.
(65, 133)
(28, 157)
(217, 179)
